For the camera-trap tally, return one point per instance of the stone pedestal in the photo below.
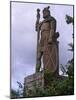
(40, 80)
(32, 82)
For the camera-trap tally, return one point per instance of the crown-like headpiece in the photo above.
(46, 9)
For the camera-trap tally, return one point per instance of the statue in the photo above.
(47, 47)
(47, 44)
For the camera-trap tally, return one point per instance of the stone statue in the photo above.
(47, 44)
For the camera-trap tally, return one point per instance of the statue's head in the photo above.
(46, 12)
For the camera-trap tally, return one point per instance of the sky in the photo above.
(24, 37)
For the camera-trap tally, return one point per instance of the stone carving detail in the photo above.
(47, 44)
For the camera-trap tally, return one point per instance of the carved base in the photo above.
(39, 81)
(32, 82)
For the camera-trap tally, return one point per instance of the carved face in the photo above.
(46, 13)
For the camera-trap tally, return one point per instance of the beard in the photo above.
(46, 16)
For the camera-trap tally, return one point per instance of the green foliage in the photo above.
(63, 69)
(70, 71)
(69, 19)
(48, 76)
(14, 94)
(56, 86)
(17, 93)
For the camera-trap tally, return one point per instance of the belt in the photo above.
(45, 31)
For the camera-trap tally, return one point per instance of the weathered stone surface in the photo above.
(47, 44)
(40, 80)
(51, 58)
(34, 81)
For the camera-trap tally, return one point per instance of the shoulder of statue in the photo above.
(52, 19)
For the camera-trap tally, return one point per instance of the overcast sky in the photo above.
(24, 37)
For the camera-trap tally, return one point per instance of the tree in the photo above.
(17, 93)
(14, 94)
(69, 19)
